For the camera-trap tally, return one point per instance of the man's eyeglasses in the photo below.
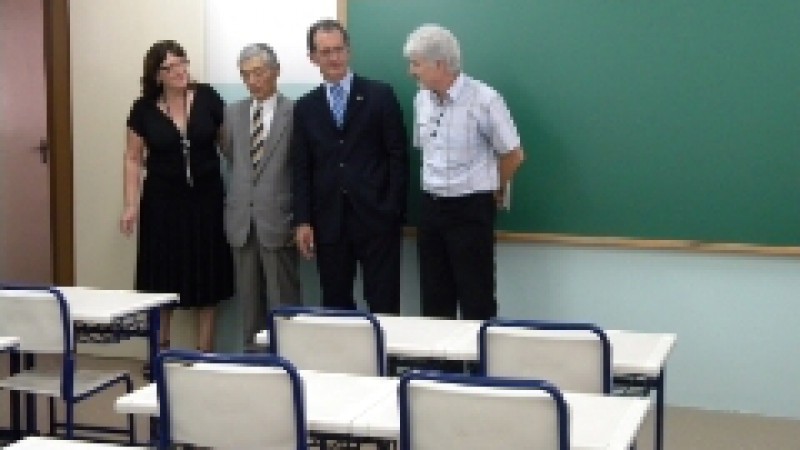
(331, 52)
(182, 64)
(254, 72)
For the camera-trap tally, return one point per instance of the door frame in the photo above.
(59, 137)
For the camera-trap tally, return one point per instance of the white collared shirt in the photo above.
(346, 83)
(267, 112)
(461, 137)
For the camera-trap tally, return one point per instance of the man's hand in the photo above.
(500, 198)
(127, 221)
(304, 238)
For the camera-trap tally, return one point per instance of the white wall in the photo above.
(232, 24)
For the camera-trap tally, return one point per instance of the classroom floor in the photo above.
(686, 428)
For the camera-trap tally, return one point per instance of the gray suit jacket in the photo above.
(261, 196)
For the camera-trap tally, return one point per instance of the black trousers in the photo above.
(457, 256)
(378, 255)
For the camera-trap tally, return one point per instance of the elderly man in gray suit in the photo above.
(258, 204)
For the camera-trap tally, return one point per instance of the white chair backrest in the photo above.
(572, 360)
(328, 343)
(445, 416)
(234, 407)
(35, 318)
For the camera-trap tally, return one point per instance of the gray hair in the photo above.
(259, 50)
(433, 42)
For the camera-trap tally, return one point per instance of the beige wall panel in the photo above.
(108, 40)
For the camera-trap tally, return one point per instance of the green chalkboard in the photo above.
(669, 119)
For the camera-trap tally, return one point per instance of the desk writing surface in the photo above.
(667, 120)
(8, 342)
(632, 352)
(422, 337)
(46, 443)
(331, 399)
(106, 305)
(640, 353)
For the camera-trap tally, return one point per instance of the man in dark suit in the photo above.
(350, 176)
(258, 204)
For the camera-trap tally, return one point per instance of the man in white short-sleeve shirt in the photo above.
(470, 151)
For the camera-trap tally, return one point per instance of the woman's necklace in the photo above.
(183, 131)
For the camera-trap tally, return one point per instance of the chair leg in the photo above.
(147, 370)
(31, 424)
(131, 428)
(52, 414)
(70, 422)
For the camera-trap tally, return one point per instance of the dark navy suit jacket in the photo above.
(364, 165)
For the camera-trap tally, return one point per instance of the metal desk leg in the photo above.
(153, 332)
(28, 361)
(16, 405)
(659, 435)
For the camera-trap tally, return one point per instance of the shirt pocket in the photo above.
(477, 121)
(424, 132)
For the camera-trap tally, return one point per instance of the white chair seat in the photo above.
(48, 383)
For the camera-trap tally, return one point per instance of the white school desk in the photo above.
(329, 398)
(367, 407)
(45, 443)
(108, 306)
(8, 342)
(93, 305)
(635, 354)
(596, 422)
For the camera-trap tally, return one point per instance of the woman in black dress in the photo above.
(173, 189)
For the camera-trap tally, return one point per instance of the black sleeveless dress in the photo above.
(181, 245)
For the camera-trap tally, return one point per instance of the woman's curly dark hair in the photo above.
(155, 56)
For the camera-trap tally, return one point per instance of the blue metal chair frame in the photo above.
(68, 377)
(254, 359)
(562, 410)
(545, 325)
(291, 311)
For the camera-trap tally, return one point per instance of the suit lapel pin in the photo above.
(359, 98)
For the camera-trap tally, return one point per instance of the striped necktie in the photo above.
(337, 103)
(257, 134)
